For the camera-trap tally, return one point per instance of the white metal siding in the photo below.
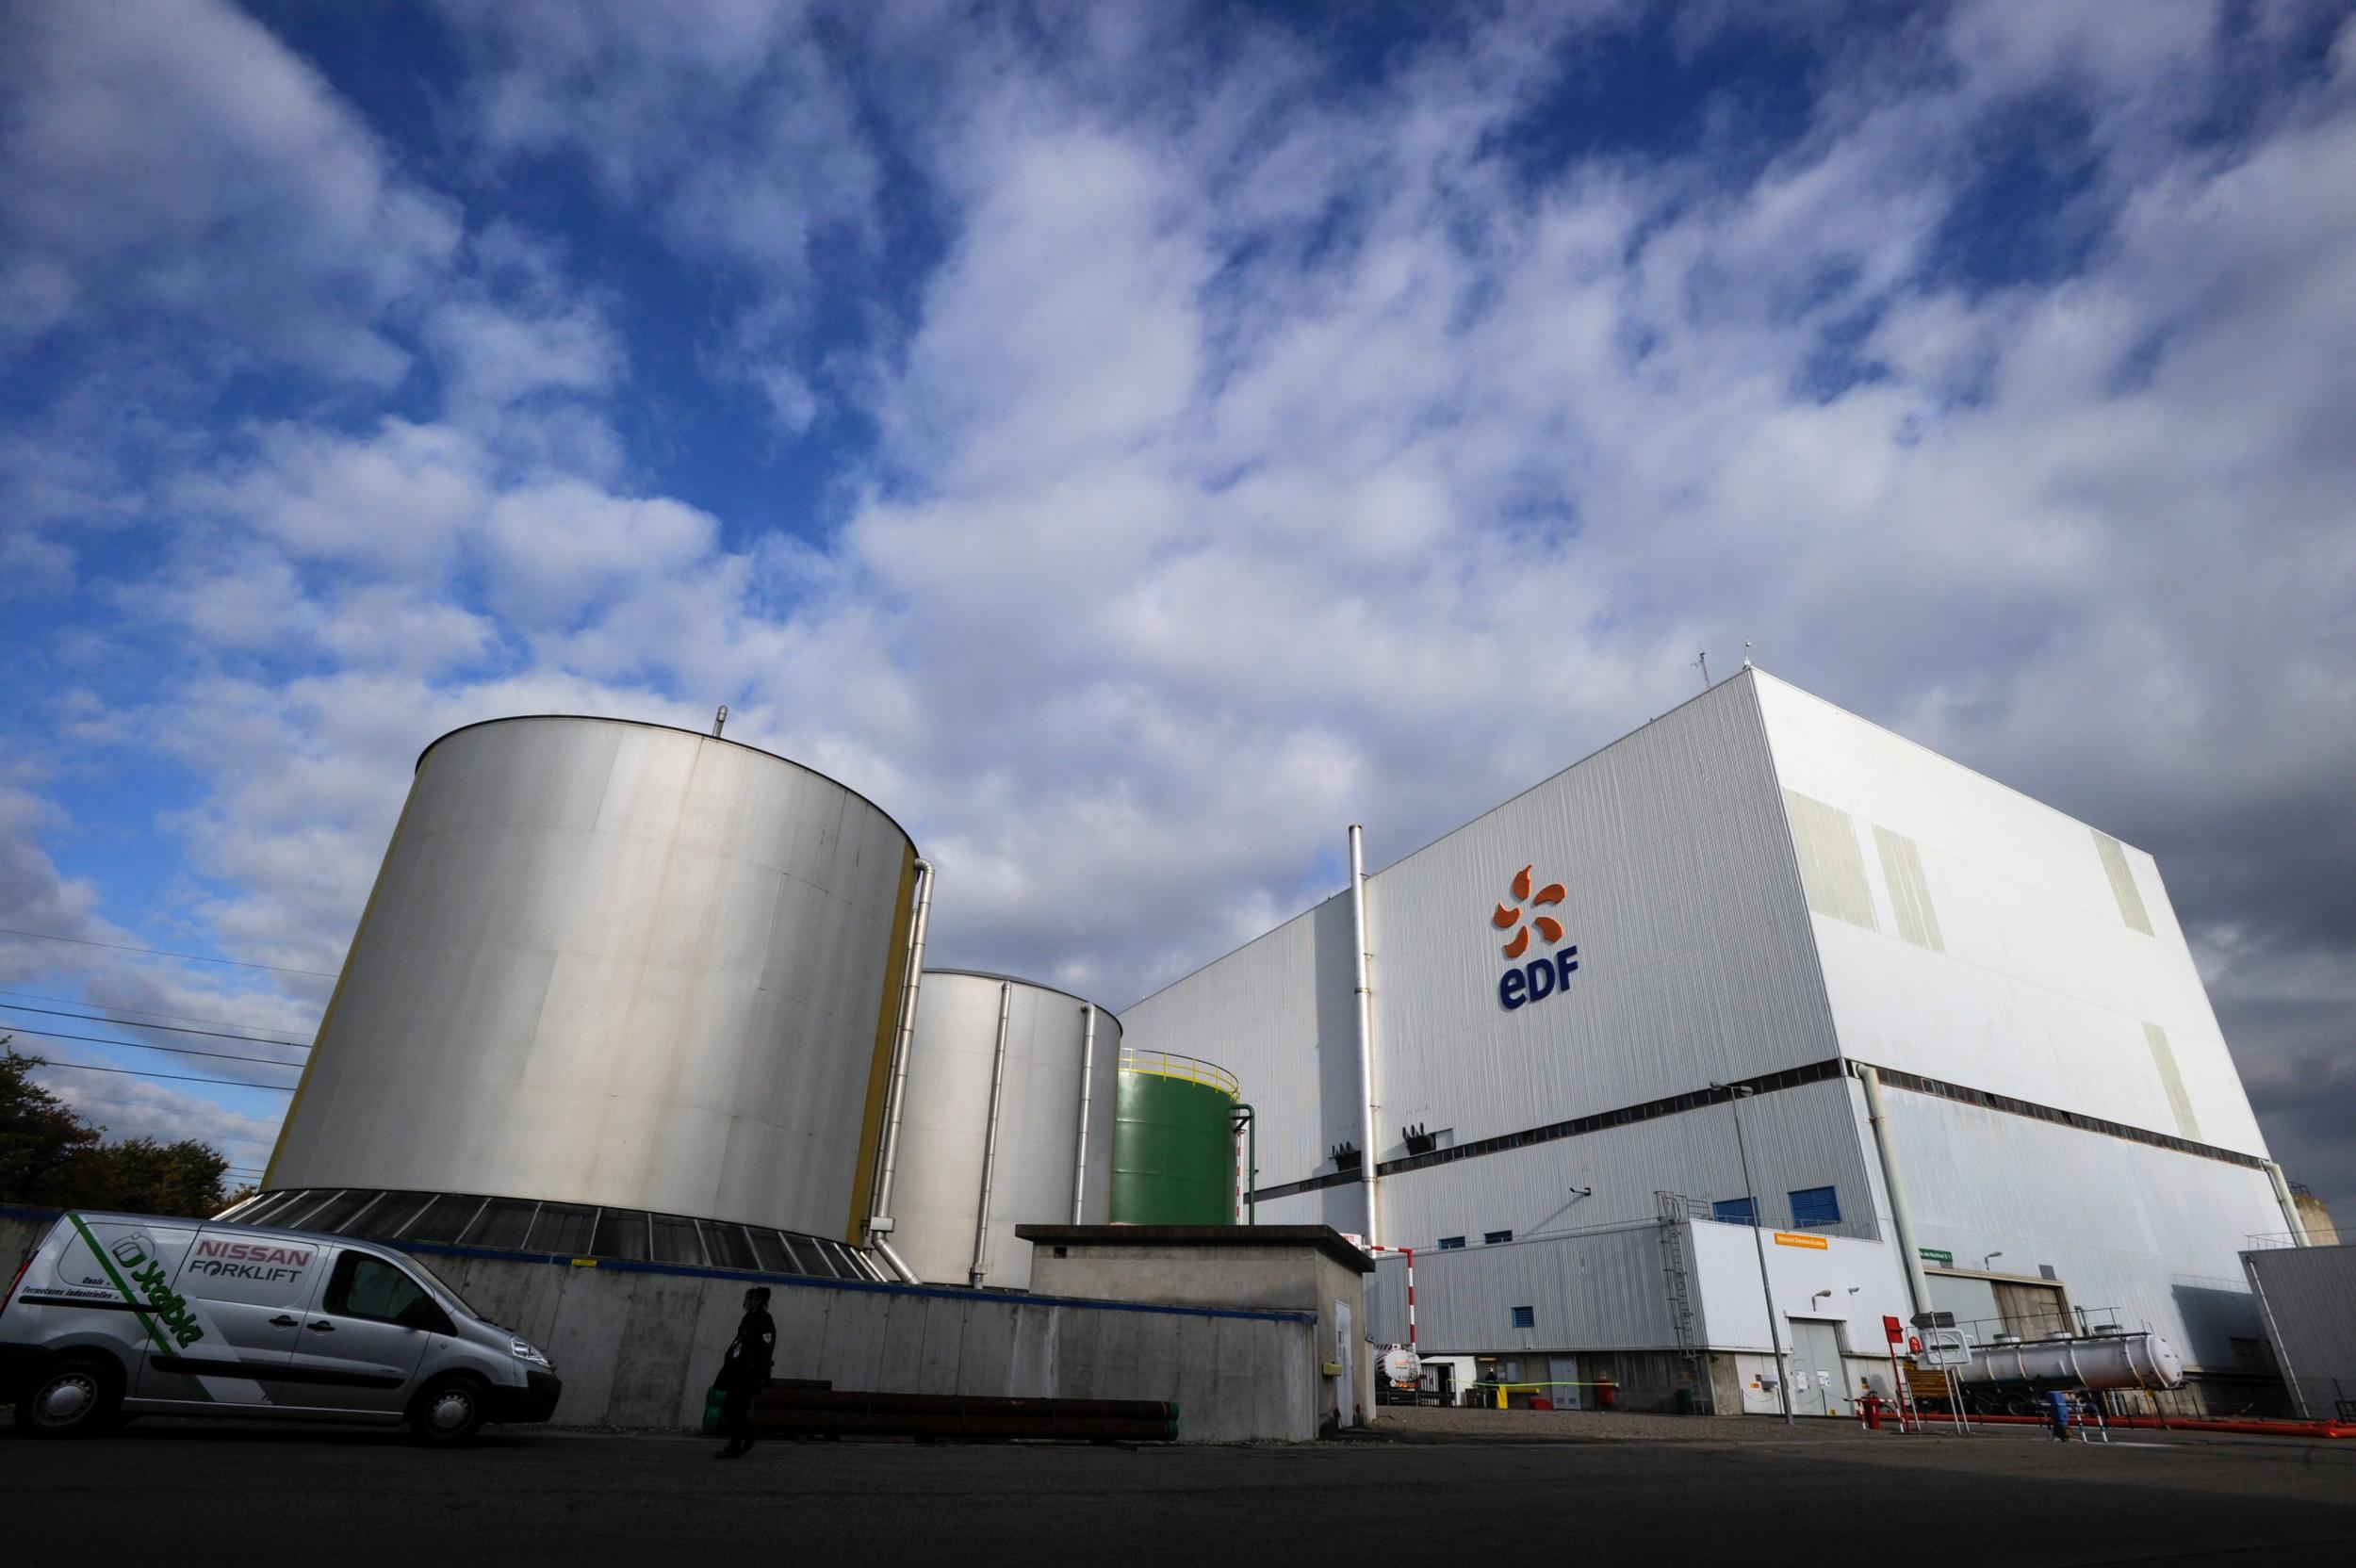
(1694, 959)
(1798, 1138)
(2308, 1295)
(2010, 948)
(2148, 1234)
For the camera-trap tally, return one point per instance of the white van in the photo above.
(116, 1314)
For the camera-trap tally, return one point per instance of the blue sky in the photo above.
(1133, 442)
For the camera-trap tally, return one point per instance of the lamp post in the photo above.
(1775, 1341)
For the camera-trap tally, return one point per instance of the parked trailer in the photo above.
(2096, 1362)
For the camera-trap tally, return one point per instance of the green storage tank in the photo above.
(1173, 1141)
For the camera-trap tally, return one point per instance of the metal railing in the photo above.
(1192, 1070)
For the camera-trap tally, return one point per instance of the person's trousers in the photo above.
(736, 1411)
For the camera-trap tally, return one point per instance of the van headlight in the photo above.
(525, 1353)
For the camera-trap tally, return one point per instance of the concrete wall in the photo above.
(637, 1345)
(1289, 1279)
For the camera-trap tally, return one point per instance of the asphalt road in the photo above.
(195, 1493)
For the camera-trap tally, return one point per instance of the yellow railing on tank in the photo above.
(1193, 1069)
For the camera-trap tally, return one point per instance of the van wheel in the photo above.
(448, 1412)
(72, 1397)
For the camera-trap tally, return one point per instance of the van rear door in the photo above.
(131, 1266)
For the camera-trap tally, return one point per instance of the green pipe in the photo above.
(1250, 1123)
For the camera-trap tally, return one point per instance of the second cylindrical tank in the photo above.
(1007, 1119)
(1174, 1142)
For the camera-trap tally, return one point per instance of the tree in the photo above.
(49, 1154)
(42, 1140)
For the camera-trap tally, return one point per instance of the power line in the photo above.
(131, 1023)
(125, 1008)
(142, 1045)
(161, 953)
(175, 1077)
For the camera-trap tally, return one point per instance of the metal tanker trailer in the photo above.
(2098, 1362)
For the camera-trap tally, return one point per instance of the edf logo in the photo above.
(1546, 973)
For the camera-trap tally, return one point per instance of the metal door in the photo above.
(1346, 1352)
(361, 1342)
(1817, 1370)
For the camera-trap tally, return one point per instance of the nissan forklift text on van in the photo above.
(115, 1314)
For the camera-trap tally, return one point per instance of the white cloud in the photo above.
(171, 153)
(1250, 465)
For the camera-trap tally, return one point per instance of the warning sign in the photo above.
(1793, 1238)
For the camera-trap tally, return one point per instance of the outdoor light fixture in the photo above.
(1987, 1261)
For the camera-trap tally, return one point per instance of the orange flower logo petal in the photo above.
(1509, 916)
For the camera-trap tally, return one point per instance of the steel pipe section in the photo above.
(955, 1203)
(618, 964)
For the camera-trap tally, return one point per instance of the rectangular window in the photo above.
(1814, 1207)
(1450, 1244)
(1735, 1211)
(1525, 1317)
(1493, 1238)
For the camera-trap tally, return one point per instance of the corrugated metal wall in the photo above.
(2149, 1234)
(1695, 965)
(1800, 1138)
(1988, 939)
(2307, 1296)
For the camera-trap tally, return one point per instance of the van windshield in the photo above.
(444, 1285)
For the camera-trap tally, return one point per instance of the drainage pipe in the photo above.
(2290, 1205)
(989, 1143)
(1087, 1085)
(899, 1264)
(1901, 1216)
(879, 1218)
(1365, 1032)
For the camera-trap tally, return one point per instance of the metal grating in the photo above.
(577, 1229)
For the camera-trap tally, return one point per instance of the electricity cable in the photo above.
(175, 1077)
(141, 1045)
(128, 1024)
(163, 953)
(126, 1007)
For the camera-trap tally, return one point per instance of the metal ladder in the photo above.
(1675, 1209)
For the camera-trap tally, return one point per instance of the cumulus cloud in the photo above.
(171, 155)
(1245, 458)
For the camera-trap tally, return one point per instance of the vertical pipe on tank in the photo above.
(989, 1141)
(1088, 1084)
(1366, 1031)
(880, 1221)
(1900, 1216)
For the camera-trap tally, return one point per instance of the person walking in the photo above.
(746, 1372)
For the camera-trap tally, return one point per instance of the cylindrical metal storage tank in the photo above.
(617, 966)
(1043, 1061)
(1173, 1142)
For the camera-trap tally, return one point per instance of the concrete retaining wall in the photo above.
(637, 1345)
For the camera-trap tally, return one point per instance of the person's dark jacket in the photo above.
(751, 1353)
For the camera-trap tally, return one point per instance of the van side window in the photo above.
(362, 1286)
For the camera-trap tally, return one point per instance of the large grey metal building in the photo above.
(1979, 1071)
